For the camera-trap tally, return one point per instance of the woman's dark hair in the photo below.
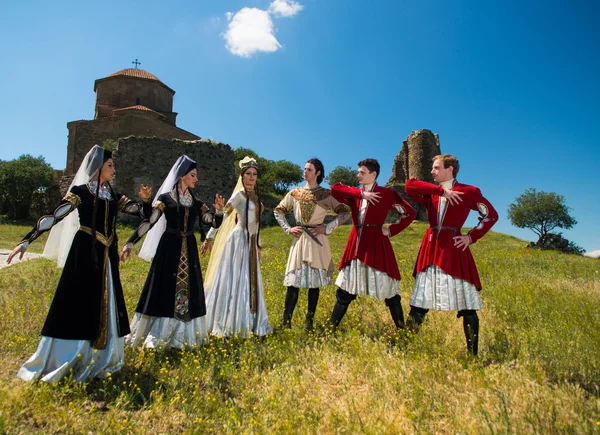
(105, 157)
(319, 168)
(242, 172)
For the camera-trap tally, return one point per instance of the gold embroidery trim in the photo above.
(228, 208)
(160, 205)
(307, 200)
(106, 241)
(122, 202)
(102, 339)
(73, 199)
(342, 208)
(182, 288)
(253, 275)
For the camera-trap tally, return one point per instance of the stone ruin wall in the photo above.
(84, 134)
(148, 160)
(414, 160)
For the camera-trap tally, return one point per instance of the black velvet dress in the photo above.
(173, 295)
(79, 307)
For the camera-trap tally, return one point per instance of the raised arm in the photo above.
(233, 202)
(153, 216)
(136, 208)
(406, 212)
(345, 194)
(488, 216)
(422, 191)
(68, 204)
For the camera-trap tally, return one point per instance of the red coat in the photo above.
(438, 245)
(367, 243)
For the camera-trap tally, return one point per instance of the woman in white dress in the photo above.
(84, 329)
(235, 301)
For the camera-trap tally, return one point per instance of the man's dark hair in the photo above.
(371, 165)
(318, 167)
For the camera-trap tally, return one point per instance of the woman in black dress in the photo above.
(171, 309)
(83, 332)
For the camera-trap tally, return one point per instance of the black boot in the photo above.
(416, 316)
(313, 299)
(471, 328)
(396, 311)
(338, 313)
(341, 306)
(291, 299)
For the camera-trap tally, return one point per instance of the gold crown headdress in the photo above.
(248, 162)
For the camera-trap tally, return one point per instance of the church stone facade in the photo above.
(128, 102)
(134, 109)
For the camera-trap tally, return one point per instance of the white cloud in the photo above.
(285, 8)
(250, 31)
(593, 254)
(229, 15)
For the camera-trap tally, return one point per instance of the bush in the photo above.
(19, 179)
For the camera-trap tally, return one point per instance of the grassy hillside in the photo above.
(538, 370)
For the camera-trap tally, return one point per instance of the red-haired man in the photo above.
(446, 277)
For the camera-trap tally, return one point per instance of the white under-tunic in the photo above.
(434, 289)
(307, 277)
(57, 358)
(359, 279)
(166, 332)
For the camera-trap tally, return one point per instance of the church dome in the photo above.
(134, 72)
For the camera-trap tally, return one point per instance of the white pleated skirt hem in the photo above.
(434, 289)
(167, 333)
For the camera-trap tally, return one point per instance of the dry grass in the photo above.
(538, 372)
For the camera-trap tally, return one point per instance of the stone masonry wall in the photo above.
(415, 160)
(84, 134)
(147, 160)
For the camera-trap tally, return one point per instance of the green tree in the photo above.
(541, 212)
(274, 176)
(342, 174)
(21, 177)
(284, 174)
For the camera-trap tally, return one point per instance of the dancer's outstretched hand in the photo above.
(219, 202)
(20, 249)
(145, 193)
(206, 247)
(452, 196)
(125, 253)
(371, 197)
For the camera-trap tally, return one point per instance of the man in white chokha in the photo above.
(309, 262)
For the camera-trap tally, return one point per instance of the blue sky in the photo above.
(511, 87)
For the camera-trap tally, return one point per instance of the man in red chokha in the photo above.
(368, 266)
(446, 277)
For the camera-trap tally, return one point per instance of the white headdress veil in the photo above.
(179, 169)
(61, 236)
(225, 230)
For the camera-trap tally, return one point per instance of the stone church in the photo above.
(134, 109)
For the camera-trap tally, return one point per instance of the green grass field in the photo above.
(538, 369)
